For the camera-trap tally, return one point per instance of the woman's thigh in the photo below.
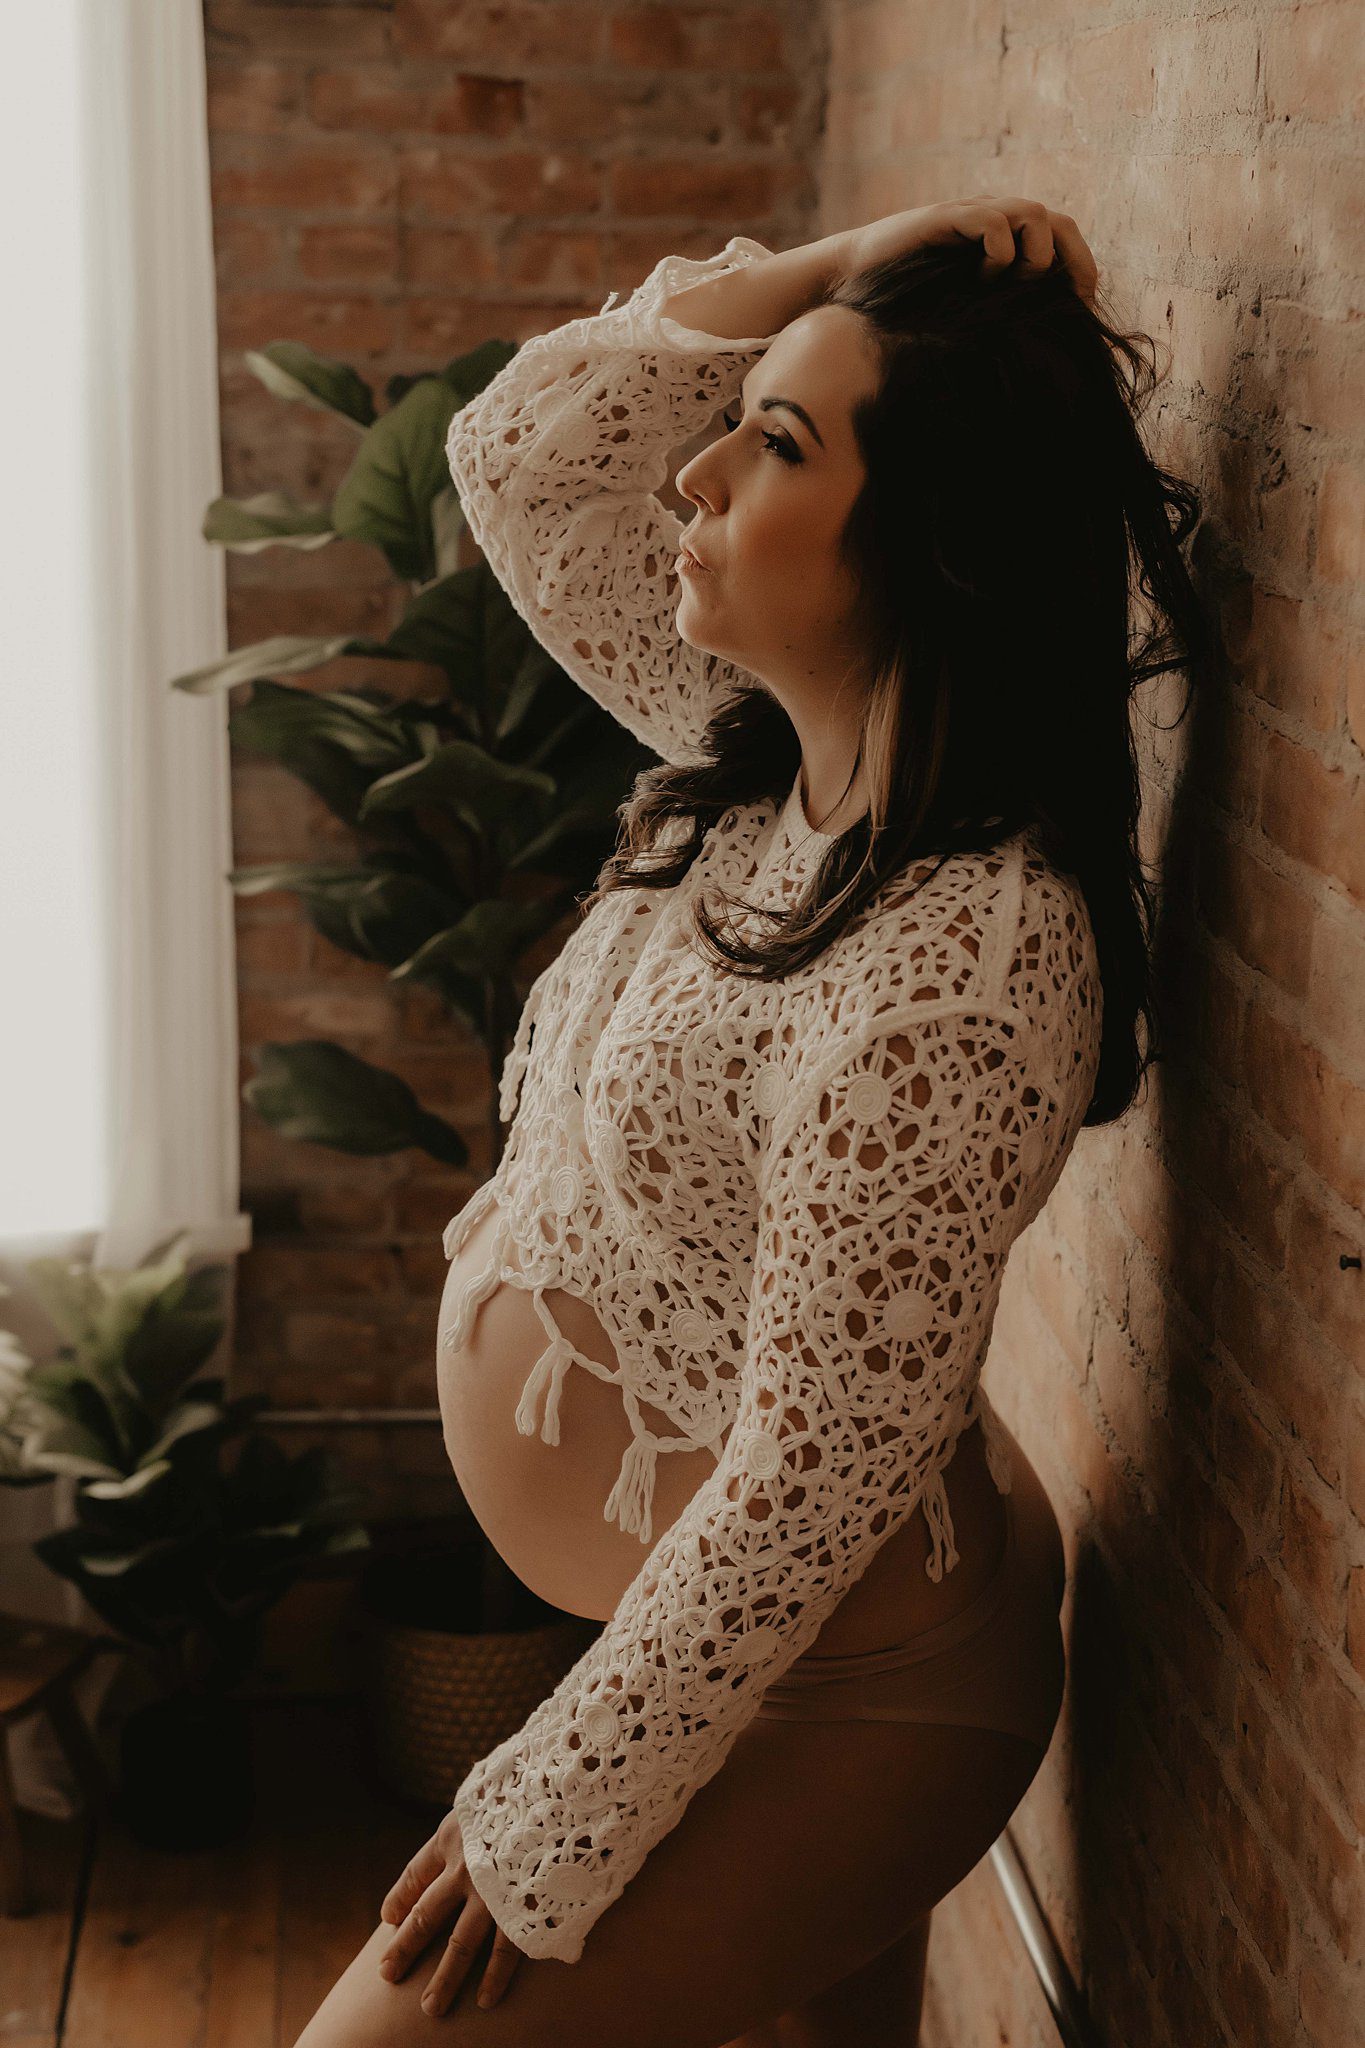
(811, 1850)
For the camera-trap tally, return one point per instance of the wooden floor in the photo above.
(130, 1947)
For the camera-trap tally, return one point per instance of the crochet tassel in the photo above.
(631, 1500)
(548, 1371)
(936, 1514)
(478, 1289)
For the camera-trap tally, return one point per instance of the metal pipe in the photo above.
(1074, 2025)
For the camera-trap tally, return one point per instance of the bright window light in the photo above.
(53, 1166)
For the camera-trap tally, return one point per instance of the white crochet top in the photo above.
(790, 1203)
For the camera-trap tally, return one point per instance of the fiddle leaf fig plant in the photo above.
(480, 814)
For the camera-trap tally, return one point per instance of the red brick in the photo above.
(1201, 64)
(1246, 1458)
(513, 32)
(315, 1013)
(1340, 553)
(351, 252)
(306, 177)
(1111, 72)
(1313, 63)
(1331, 1295)
(684, 185)
(253, 98)
(626, 107)
(1244, 1860)
(436, 328)
(259, 614)
(1312, 1554)
(1354, 660)
(1290, 652)
(439, 184)
(726, 39)
(766, 113)
(246, 250)
(337, 326)
(367, 99)
(236, 26)
(275, 948)
(537, 259)
(1312, 366)
(1331, 1721)
(1252, 1999)
(1355, 1624)
(475, 105)
(311, 1273)
(1264, 916)
(1315, 812)
(1329, 1997)
(455, 259)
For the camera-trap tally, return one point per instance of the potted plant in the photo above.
(178, 1549)
(482, 811)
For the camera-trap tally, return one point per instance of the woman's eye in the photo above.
(776, 442)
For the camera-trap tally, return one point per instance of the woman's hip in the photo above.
(1000, 1662)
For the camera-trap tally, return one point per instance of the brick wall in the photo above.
(1179, 1346)
(1179, 1342)
(395, 181)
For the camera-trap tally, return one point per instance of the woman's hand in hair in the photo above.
(1044, 236)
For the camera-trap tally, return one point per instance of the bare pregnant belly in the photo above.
(540, 1505)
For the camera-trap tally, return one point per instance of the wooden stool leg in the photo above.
(15, 1896)
(78, 1747)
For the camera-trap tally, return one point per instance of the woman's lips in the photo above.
(687, 560)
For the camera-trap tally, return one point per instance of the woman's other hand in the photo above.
(991, 221)
(434, 1891)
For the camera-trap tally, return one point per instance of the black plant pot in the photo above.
(187, 1778)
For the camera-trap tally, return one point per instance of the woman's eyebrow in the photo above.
(789, 405)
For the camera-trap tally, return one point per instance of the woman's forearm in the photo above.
(762, 296)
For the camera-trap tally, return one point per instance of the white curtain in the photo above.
(142, 1051)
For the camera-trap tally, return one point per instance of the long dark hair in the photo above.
(1017, 555)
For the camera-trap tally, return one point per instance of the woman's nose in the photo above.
(700, 481)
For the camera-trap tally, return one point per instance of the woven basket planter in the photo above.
(442, 1691)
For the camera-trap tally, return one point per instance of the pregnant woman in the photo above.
(870, 955)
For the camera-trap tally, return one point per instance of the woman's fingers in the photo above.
(430, 1916)
(1044, 236)
(463, 1945)
(1075, 253)
(501, 1965)
(425, 1866)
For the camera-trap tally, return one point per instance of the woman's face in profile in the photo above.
(771, 496)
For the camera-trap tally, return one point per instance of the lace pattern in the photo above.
(790, 1204)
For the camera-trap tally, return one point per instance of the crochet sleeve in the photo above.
(556, 462)
(889, 1198)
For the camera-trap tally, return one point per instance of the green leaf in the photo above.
(387, 494)
(486, 942)
(286, 655)
(468, 374)
(334, 740)
(326, 1095)
(290, 370)
(271, 519)
(373, 910)
(480, 789)
(137, 1482)
(465, 625)
(190, 1420)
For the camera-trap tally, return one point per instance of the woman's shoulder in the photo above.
(1002, 928)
